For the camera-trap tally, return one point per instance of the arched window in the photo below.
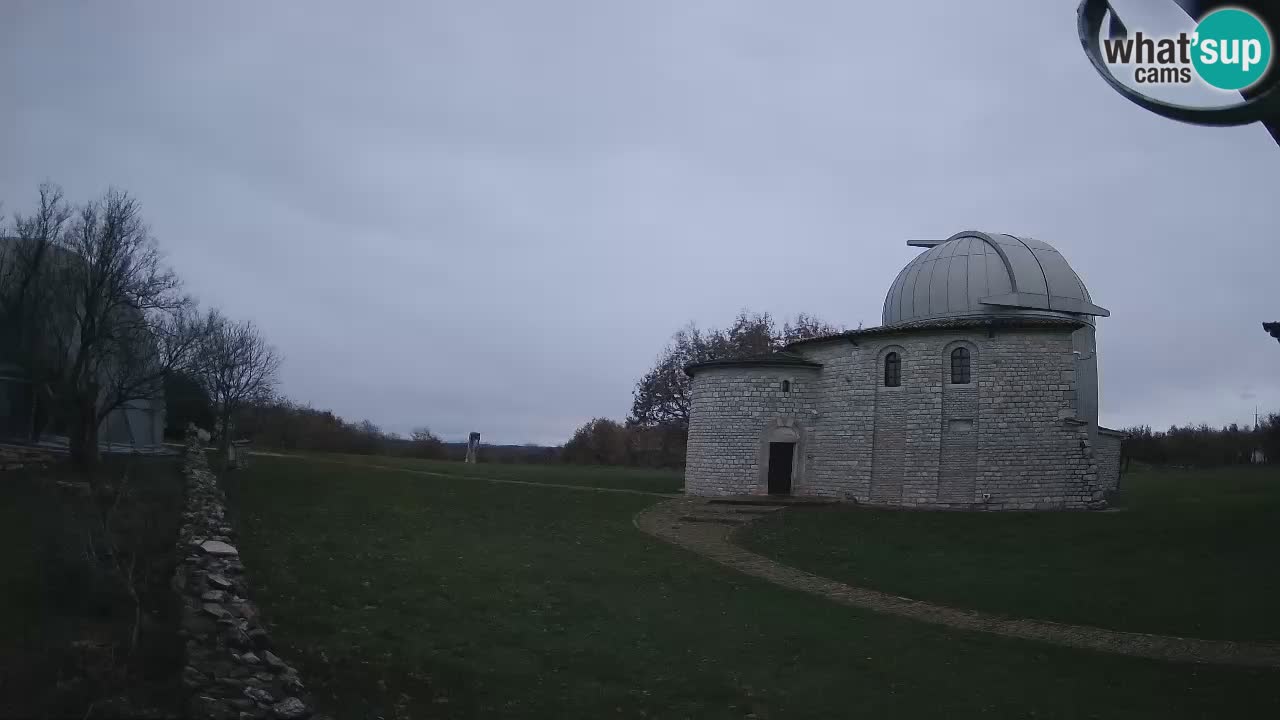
(786, 386)
(960, 366)
(892, 370)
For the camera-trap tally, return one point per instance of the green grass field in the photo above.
(645, 479)
(410, 595)
(1193, 553)
(65, 620)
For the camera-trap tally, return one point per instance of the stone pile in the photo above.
(16, 458)
(231, 671)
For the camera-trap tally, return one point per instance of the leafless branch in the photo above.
(236, 366)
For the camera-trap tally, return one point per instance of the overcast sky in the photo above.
(492, 215)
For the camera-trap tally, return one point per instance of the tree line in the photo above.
(285, 425)
(1204, 446)
(277, 423)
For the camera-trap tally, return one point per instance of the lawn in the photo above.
(410, 595)
(65, 619)
(1192, 553)
(645, 479)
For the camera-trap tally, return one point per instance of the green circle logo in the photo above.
(1232, 49)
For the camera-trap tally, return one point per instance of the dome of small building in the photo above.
(978, 274)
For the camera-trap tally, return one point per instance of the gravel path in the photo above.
(705, 527)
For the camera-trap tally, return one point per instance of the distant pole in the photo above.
(473, 444)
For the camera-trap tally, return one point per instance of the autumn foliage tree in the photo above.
(656, 431)
(600, 441)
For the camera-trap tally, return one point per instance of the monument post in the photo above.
(473, 445)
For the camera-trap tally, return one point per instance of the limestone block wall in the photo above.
(733, 410)
(1107, 449)
(891, 440)
(958, 452)
(1031, 454)
(1004, 441)
(842, 432)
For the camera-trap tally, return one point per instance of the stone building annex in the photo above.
(979, 391)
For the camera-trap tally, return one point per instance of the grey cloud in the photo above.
(493, 217)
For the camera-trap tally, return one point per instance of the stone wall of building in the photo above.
(1004, 441)
(1107, 449)
(958, 453)
(138, 422)
(733, 412)
(231, 671)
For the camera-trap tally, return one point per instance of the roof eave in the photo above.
(692, 368)
(938, 324)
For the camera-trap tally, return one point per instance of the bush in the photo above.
(605, 442)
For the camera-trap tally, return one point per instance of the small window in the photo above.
(960, 366)
(892, 370)
(786, 386)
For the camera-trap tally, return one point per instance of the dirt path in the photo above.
(705, 527)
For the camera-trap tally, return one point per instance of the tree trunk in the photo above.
(224, 440)
(224, 432)
(39, 412)
(84, 436)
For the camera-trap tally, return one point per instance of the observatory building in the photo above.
(979, 391)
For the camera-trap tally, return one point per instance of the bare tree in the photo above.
(236, 366)
(661, 398)
(599, 441)
(424, 443)
(119, 298)
(26, 286)
(806, 327)
(89, 306)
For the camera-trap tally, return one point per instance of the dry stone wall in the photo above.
(232, 671)
(13, 457)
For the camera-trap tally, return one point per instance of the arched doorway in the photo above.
(781, 460)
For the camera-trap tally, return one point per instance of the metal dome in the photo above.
(977, 274)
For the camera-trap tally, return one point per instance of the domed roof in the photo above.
(977, 274)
